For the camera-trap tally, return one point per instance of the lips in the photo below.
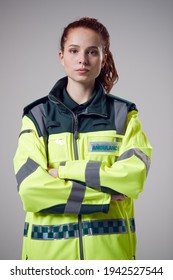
(82, 70)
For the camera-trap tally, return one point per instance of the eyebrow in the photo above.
(72, 45)
(77, 46)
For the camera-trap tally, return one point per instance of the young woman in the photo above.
(82, 157)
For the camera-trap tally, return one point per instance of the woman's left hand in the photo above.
(119, 197)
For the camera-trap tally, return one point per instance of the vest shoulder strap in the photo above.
(121, 109)
(120, 116)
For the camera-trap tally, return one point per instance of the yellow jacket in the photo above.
(99, 149)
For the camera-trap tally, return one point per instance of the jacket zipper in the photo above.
(75, 137)
(76, 155)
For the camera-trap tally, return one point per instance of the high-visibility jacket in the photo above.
(99, 152)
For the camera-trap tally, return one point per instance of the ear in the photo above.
(61, 57)
(104, 59)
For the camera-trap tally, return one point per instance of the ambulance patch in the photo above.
(103, 147)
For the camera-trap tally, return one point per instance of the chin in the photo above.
(81, 79)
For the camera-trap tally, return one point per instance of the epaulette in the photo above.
(130, 105)
(34, 104)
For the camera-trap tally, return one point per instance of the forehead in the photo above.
(83, 36)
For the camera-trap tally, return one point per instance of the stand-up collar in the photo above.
(96, 104)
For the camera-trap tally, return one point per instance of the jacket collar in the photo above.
(97, 105)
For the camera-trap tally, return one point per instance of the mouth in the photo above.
(82, 70)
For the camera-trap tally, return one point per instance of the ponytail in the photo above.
(108, 75)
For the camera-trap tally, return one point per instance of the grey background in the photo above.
(142, 44)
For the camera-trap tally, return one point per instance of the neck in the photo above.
(79, 92)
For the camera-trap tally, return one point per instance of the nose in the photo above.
(82, 59)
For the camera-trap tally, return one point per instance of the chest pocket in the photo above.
(59, 148)
(102, 146)
(58, 144)
(105, 145)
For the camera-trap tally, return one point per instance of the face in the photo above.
(83, 56)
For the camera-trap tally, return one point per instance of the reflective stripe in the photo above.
(132, 225)
(104, 227)
(138, 153)
(92, 174)
(54, 232)
(75, 199)
(26, 227)
(27, 169)
(120, 109)
(40, 116)
(66, 231)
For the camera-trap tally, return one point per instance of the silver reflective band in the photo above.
(26, 169)
(89, 228)
(26, 227)
(120, 109)
(40, 116)
(92, 174)
(132, 225)
(138, 153)
(75, 199)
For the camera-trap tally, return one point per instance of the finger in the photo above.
(53, 172)
(118, 197)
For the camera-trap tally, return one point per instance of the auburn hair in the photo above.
(108, 75)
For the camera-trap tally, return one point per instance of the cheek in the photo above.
(66, 63)
(69, 60)
(62, 62)
(98, 65)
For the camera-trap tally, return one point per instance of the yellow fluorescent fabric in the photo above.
(40, 190)
(50, 233)
(116, 176)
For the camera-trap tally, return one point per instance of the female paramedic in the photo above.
(82, 158)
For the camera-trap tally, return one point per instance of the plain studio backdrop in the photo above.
(142, 44)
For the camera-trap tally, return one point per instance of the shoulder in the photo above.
(37, 103)
(37, 113)
(130, 105)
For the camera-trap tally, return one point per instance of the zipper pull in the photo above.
(76, 133)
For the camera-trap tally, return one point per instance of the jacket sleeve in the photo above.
(127, 175)
(39, 191)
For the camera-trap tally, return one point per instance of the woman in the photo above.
(82, 157)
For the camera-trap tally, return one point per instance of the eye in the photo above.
(93, 52)
(73, 51)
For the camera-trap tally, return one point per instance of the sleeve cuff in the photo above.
(83, 171)
(73, 170)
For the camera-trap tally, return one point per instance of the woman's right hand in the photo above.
(53, 172)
